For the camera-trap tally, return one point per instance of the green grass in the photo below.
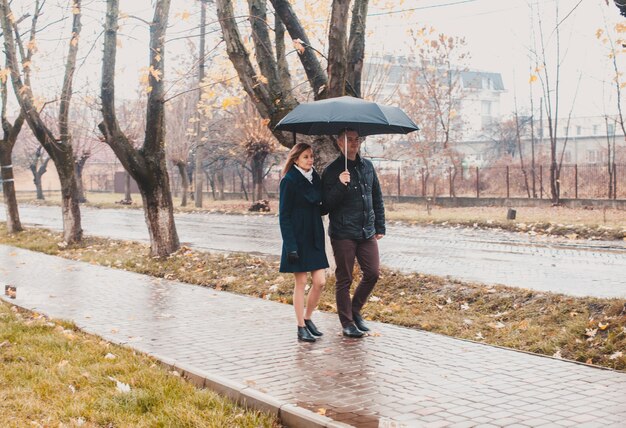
(52, 374)
(585, 329)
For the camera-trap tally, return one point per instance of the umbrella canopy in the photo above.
(331, 116)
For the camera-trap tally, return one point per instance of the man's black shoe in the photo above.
(312, 328)
(352, 331)
(360, 322)
(304, 335)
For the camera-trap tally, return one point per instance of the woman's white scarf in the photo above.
(308, 175)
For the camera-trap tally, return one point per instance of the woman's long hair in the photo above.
(293, 155)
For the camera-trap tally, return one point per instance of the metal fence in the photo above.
(576, 181)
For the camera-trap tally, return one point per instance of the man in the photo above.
(354, 202)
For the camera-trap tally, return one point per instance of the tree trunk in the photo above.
(200, 148)
(147, 165)
(72, 230)
(157, 202)
(38, 172)
(79, 168)
(7, 144)
(356, 47)
(211, 180)
(337, 49)
(8, 189)
(324, 147)
(219, 178)
(241, 172)
(521, 153)
(182, 170)
(257, 164)
(127, 194)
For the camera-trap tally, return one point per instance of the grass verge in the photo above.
(589, 330)
(52, 374)
(572, 223)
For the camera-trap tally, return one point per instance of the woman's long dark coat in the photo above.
(301, 222)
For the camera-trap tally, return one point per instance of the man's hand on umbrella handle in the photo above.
(379, 236)
(344, 177)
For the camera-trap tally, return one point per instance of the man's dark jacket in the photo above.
(357, 210)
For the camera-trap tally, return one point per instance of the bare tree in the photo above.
(549, 79)
(433, 97)
(58, 148)
(9, 137)
(606, 37)
(181, 135)
(201, 75)
(86, 142)
(38, 166)
(269, 85)
(148, 164)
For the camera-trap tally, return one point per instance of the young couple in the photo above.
(353, 199)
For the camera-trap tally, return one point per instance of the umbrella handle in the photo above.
(345, 148)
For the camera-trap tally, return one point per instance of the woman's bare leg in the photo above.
(318, 278)
(298, 296)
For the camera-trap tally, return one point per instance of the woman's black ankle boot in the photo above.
(304, 335)
(312, 328)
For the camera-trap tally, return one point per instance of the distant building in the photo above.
(586, 140)
(387, 76)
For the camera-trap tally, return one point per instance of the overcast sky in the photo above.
(498, 35)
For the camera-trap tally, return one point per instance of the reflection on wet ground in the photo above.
(394, 376)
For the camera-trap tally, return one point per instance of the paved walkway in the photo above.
(247, 347)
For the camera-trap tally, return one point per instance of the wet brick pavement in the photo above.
(407, 377)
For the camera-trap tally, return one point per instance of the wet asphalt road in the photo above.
(595, 268)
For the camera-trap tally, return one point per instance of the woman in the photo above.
(303, 234)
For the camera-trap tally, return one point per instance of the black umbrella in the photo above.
(331, 116)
